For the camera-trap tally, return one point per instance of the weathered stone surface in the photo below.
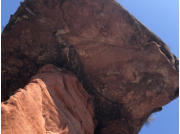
(116, 127)
(126, 68)
(54, 102)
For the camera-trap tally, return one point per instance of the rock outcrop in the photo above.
(54, 102)
(129, 72)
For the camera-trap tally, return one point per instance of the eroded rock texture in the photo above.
(54, 102)
(127, 69)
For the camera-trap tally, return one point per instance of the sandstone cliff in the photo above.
(54, 102)
(125, 68)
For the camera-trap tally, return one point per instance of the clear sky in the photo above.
(8, 7)
(161, 17)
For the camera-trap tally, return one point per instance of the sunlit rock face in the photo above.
(128, 71)
(53, 102)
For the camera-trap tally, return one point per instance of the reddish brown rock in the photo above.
(125, 67)
(116, 127)
(54, 102)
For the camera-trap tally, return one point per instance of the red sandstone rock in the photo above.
(127, 69)
(54, 102)
(116, 127)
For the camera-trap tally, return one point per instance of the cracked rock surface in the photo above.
(129, 72)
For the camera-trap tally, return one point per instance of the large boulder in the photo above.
(128, 71)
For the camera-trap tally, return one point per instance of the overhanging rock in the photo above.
(127, 69)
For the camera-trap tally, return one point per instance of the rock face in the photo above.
(54, 102)
(129, 72)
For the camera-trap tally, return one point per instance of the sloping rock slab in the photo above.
(54, 102)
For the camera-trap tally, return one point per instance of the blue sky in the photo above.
(8, 7)
(161, 17)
